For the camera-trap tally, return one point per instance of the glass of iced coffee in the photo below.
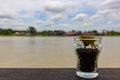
(87, 49)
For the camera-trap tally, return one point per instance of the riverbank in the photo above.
(31, 31)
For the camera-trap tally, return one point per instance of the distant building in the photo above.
(58, 33)
(21, 33)
(69, 33)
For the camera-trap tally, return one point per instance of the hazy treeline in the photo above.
(31, 31)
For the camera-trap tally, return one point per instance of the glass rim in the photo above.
(94, 38)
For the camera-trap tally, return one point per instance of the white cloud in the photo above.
(43, 23)
(85, 20)
(96, 18)
(66, 27)
(14, 24)
(87, 24)
(80, 17)
(57, 17)
(94, 3)
(110, 9)
(109, 26)
(60, 6)
(26, 9)
(14, 13)
(55, 6)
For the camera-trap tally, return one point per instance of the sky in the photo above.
(65, 15)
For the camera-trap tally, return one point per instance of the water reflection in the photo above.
(32, 41)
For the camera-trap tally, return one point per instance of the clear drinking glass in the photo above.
(87, 52)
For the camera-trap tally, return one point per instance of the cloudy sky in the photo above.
(60, 14)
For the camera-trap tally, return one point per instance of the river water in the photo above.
(51, 52)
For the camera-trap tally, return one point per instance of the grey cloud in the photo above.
(6, 17)
(111, 4)
(114, 5)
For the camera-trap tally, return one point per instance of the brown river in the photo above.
(52, 52)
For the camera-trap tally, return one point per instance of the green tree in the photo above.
(6, 31)
(32, 30)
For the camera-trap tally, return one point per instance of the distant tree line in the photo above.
(31, 31)
(6, 31)
(112, 33)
